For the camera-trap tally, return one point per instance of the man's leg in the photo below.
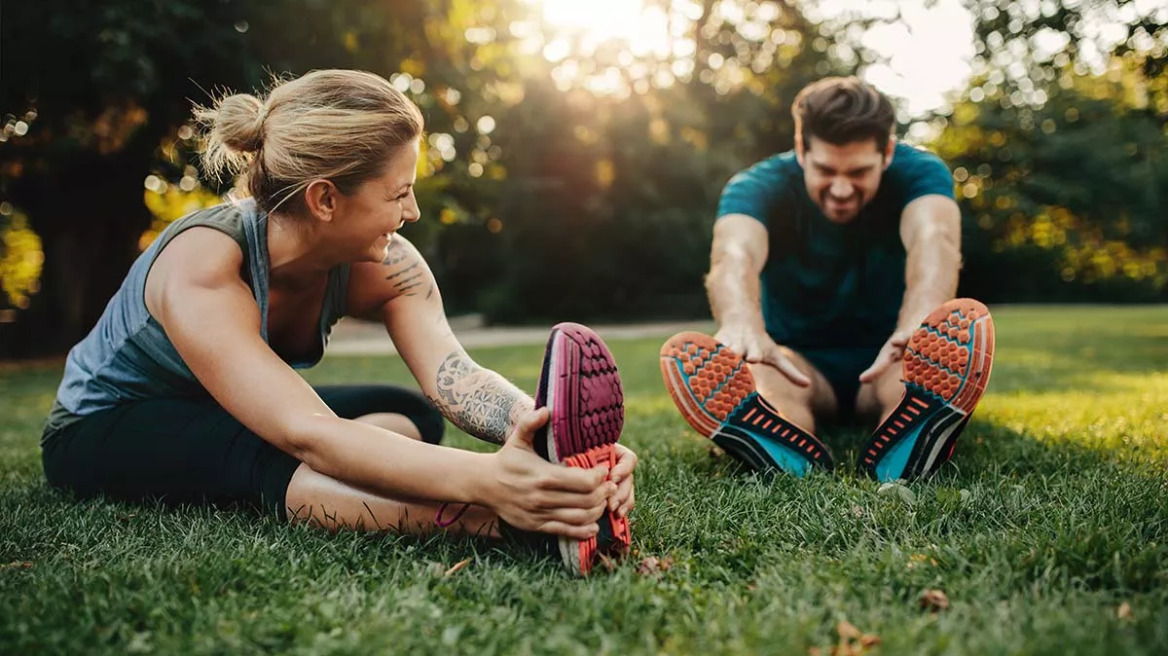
(877, 399)
(799, 404)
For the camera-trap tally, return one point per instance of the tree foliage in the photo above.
(1059, 152)
(569, 177)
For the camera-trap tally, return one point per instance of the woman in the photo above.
(185, 389)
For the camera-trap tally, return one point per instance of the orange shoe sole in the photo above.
(615, 536)
(946, 369)
(713, 388)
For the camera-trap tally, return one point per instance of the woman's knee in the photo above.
(425, 424)
(431, 424)
(410, 411)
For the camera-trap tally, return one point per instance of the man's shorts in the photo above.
(841, 366)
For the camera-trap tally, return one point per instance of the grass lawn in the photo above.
(1048, 534)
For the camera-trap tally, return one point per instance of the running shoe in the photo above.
(713, 388)
(946, 368)
(580, 384)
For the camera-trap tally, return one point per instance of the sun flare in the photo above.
(575, 30)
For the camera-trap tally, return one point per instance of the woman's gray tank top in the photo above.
(128, 357)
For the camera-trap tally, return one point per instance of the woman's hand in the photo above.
(532, 494)
(622, 475)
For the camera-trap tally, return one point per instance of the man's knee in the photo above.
(880, 397)
(774, 384)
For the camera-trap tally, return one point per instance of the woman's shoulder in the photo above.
(209, 243)
(228, 217)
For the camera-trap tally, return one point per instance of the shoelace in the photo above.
(441, 523)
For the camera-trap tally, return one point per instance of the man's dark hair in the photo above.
(842, 110)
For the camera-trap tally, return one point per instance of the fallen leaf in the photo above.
(900, 491)
(653, 564)
(1124, 612)
(457, 566)
(814, 651)
(17, 565)
(852, 642)
(847, 630)
(934, 600)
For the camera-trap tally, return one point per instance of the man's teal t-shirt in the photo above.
(824, 284)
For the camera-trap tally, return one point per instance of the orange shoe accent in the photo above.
(582, 554)
(719, 382)
(952, 354)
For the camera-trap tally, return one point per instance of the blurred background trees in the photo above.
(1059, 152)
(572, 166)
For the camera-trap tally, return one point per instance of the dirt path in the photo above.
(351, 337)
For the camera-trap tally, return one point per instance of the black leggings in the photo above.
(184, 451)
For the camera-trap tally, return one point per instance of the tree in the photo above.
(81, 139)
(1058, 153)
(96, 89)
(614, 162)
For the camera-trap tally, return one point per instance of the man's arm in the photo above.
(930, 228)
(737, 257)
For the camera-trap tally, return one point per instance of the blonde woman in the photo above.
(186, 390)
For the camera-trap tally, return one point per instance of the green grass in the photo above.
(1054, 514)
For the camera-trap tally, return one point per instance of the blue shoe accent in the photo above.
(893, 464)
(785, 458)
(759, 452)
(758, 435)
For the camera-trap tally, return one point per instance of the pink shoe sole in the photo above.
(580, 383)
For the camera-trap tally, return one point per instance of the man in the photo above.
(832, 274)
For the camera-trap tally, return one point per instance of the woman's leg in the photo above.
(324, 501)
(184, 451)
(177, 450)
(328, 503)
(393, 408)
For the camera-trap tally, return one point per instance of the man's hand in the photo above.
(892, 353)
(757, 347)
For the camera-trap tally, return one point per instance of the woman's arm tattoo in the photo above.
(477, 400)
(407, 270)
